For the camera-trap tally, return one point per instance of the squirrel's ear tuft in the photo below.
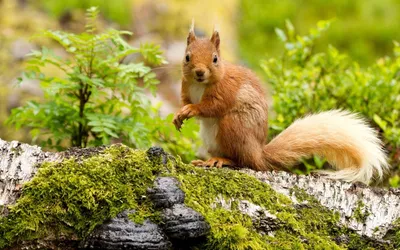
(215, 39)
(192, 36)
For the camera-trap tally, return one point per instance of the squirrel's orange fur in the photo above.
(230, 104)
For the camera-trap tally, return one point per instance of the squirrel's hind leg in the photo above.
(214, 162)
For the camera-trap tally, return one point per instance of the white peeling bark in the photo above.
(382, 206)
(18, 164)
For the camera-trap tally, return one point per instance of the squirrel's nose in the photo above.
(200, 72)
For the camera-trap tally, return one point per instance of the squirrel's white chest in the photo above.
(196, 92)
(208, 134)
(208, 126)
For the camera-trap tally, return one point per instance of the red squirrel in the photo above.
(230, 104)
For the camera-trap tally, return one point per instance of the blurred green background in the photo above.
(306, 69)
(362, 29)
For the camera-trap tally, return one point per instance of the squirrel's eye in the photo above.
(215, 60)
(187, 58)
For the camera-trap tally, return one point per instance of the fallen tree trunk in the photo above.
(280, 210)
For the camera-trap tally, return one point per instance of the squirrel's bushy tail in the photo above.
(343, 138)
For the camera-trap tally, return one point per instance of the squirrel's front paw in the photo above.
(186, 112)
(177, 122)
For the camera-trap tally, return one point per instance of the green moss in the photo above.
(396, 237)
(72, 197)
(361, 213)
(17, 151)
(394, 234)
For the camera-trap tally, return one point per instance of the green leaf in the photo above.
(97, 129)
(110, 132)
(281, 34)
(290, 28)
(381, 123)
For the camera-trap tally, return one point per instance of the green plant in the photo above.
(304, 82)
(92, 96)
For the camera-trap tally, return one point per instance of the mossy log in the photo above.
(119, 198)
